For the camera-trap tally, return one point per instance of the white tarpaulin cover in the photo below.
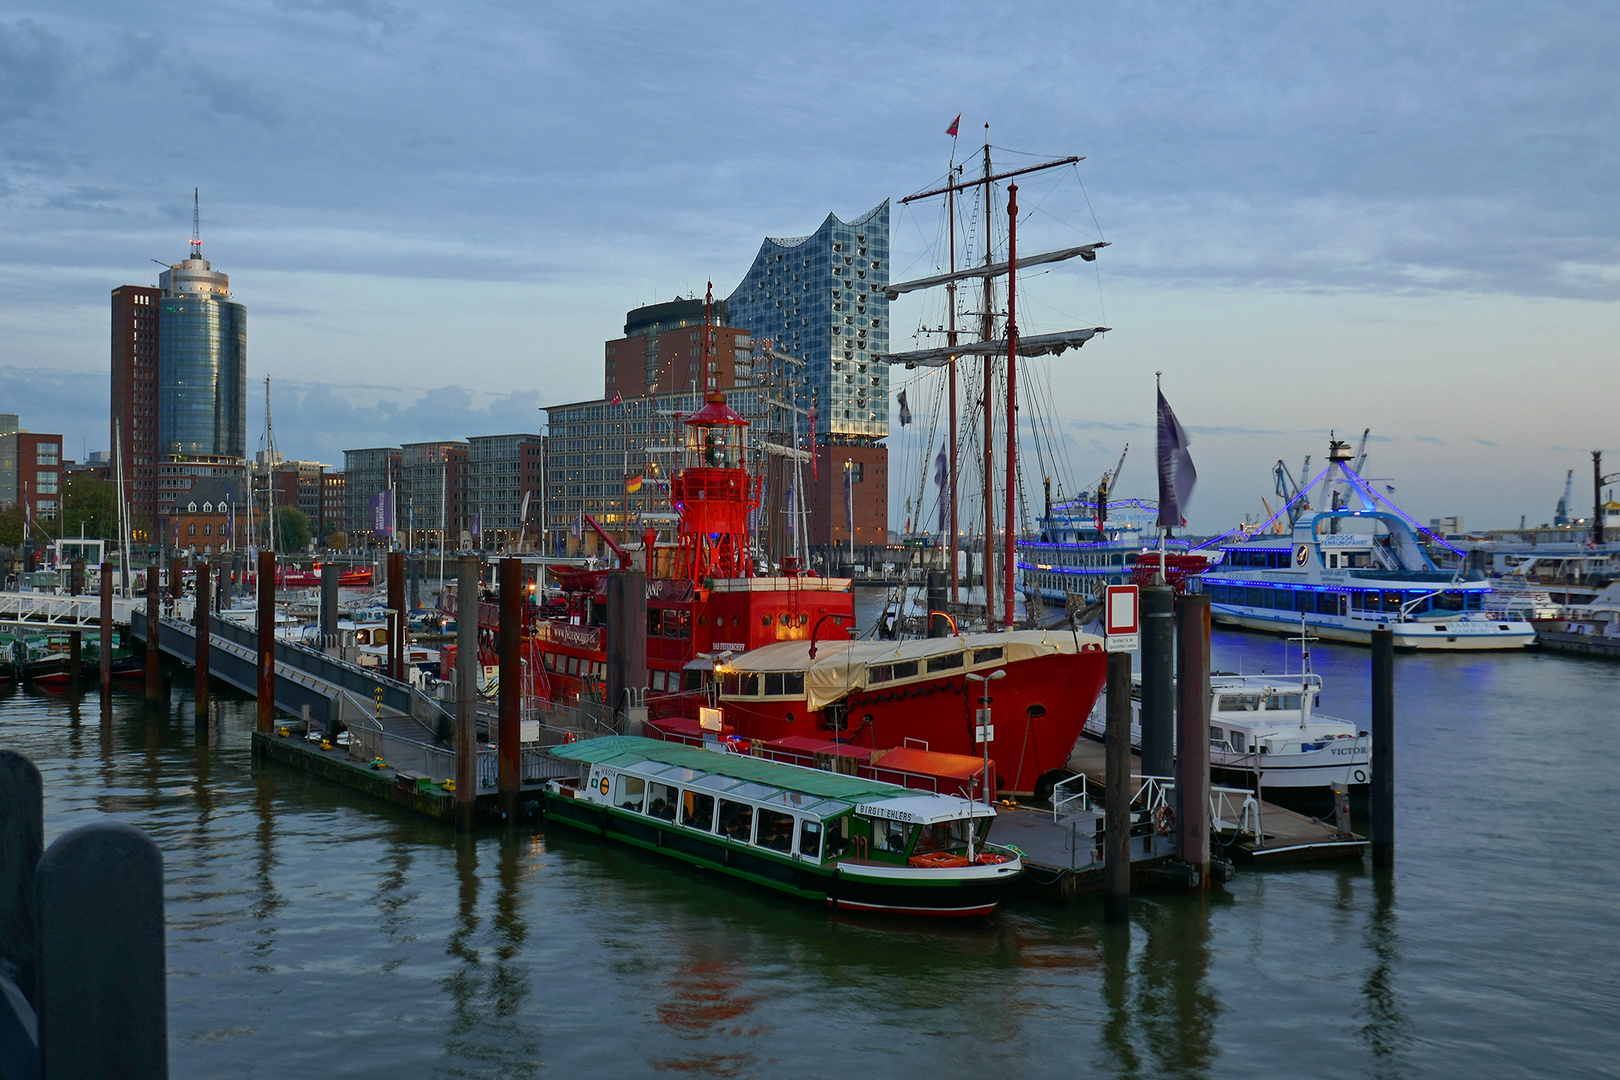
(842, 667)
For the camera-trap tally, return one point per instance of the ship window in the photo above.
(810, 839)
(630, 792)
(944, 663)
(661, 800)
(736, 820)
(775, 830)
(573, 665)
(697, 810)
(785, 619)
(907, 670)
(1239, 702)
(837, 838)
(773, 683)
(984, 656)
(764, 620)
(892, 836)
(1217, 736)
(1236, 740)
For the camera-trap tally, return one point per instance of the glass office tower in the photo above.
(202, 365)
(821, 297)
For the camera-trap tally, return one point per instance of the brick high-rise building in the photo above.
(133, 431)
(662, 352)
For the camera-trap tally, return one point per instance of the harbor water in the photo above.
(312, 932)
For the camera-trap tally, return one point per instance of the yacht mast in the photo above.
(986, 333)
(1009, 563)
(950, 341)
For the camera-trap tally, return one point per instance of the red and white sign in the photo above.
(1121, 618)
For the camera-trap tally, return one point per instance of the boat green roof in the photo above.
(628, 749)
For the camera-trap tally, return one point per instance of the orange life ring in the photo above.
(604, 787)
(933, 860)
(1164, 821)
(990, 858)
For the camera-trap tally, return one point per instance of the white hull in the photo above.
(1456, 635)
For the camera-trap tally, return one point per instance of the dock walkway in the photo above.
(1274, 834)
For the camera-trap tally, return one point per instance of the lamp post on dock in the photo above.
(983, 730)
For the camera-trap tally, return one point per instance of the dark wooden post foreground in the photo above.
(466, 689)
(154, 617)
(267, 640)
(1158, 680)
(1192, 733)
(76, 638)
(396, 616)
(510, 732)
(1117, 792)
(202, 612)
(1383, 749)
(106, 627)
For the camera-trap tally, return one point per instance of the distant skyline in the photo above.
(1389, 216)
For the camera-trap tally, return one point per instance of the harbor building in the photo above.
(133, 431)
(30, 470)
(662, 351)
(334, 508)
(367, 474)
(431, 503)
(215, 517)
(502, 472)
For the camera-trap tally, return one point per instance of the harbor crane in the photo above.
(1561, 515)
(1106, 485)
(1288, 488)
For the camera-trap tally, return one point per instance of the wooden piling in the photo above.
(466, 687)
(177, 578)
(329, 604)
(267, 640)
(1158, 680)
(1192, 733)
(626, 643)
(509, 736)
(154, 617)
(1383, 749)
(201, 614)
(76, 638)
(1117, 791)
(396, 614)
(938, 584)
(106, 627)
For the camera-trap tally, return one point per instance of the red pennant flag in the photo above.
(951, 131)
(618, 398)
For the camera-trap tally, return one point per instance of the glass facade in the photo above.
(202, 378)
(821, 298)
(367, 473)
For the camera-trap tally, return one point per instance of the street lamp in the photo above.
(982, 730)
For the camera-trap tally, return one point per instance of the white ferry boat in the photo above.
(1076, 557)
(1353, 568)
(1268, 726)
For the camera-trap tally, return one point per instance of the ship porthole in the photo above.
(764, 620)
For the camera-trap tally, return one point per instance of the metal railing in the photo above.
(1230, 808)
(62, 609)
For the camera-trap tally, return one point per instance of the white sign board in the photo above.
(709, 719)
(983, 733)
(1122, 643)
(1122, 610)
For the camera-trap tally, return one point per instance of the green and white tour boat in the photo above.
(855, 844)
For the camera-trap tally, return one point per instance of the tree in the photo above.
(337, 541)
(292, 530)
(92, 502)
(11, 525)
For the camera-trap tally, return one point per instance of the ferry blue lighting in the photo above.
(1094, 570)
(1261, 583)
(1298, 495)
(1053, 545)
(1402, 514)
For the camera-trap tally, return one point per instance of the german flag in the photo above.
(633, 484)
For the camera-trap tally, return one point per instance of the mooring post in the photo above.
(154, 616)
(267, 640)
(626, 644)
(202, 611)
(22, 840)
(1158, 680)
(329, 605)
(177, 578)
(466, 688)
(106, 627)
(396, 614)
(938, 585)
(76, 638)
(103, 972)
(509, 736)
(1118, 790)
(417, 570)
(1192, 733)
(1383, 749)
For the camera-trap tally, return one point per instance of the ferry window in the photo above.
(631, 792)
(944, 836)
(1236, 740)
(775, 830)
(573, 665)
(945, 663)
(661, 801)
(1217, 736)
(1449, 602)
(1254, 597)
(810, 839)
(793, 683)
(882, 673)
(654, 622)
(748, 685)
(1240, 702)
(1474, 602)
(890, 835)
(984, 656)
(908, 670)
(773, 683)
(697, 810)
(837, 838)
(736, 820)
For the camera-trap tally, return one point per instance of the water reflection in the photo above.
(1159, 1009)
(1384, 1028)
(267, 900)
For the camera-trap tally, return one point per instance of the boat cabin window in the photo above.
(779, 683)
(1236, 742)
(1289, 702)
(837, 838)
(945, 663)
(775, 830)
(890, 835)
(736, 820)
(1239, 702)
(697, 810)
(810, 839)
(661, 799)
(890, 672)
(985, 656)
(573, 666)
(1217, 736)
(629, 792)
(943, 836)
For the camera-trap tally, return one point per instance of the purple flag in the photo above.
(942, 477)
(1176, 473)
(382, 513)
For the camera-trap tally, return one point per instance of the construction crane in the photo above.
(1561, 515)
(1288, 489)
(1106, 485)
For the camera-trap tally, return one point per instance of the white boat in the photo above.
(1353, 568)
(1075, 558)
(1268, 725)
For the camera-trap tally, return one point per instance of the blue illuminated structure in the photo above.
(1352, 568)
(820, 297)
(1074, 558)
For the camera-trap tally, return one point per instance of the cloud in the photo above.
(1431, 440)
(34, 66)
(1487, 442)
